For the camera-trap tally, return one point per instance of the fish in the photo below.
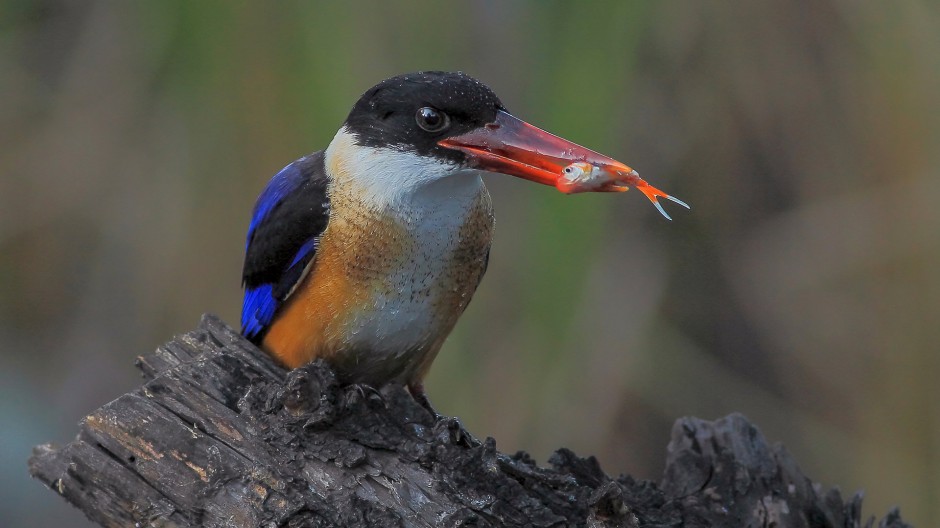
(582, 176)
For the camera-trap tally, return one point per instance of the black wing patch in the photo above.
(289, 217)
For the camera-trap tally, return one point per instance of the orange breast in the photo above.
(345, 274)
(397, 264)
(383, 294)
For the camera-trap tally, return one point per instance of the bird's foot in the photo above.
(445, 426)
(450, 430)
(421, 397)
(358, 392)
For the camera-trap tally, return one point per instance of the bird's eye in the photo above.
(432, 119)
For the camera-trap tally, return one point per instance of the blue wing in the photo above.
(289, 217)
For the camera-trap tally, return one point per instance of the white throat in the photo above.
(388, 178)
(429, 205)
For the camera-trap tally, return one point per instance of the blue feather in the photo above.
(307, 250)
(260, 304)
(286, 181)
(290, 215)
(258, 310)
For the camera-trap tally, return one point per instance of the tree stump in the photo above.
(221, 436)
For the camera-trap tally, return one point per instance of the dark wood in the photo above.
(221, 436)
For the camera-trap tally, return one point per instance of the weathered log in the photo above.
(219, 435)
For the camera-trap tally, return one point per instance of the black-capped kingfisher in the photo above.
(366, 253)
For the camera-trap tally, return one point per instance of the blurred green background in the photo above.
(803, 289)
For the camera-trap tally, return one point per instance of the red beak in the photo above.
(511, 146)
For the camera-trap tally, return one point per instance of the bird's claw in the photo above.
(357, 392)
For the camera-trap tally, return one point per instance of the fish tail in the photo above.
(654, 194)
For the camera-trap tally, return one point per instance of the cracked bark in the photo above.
(221, 436)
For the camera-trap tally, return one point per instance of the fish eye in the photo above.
(431, 119)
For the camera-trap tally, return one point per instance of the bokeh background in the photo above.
(803, 289)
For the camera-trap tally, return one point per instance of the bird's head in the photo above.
(420, 127)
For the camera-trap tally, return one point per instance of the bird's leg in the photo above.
(451, 427)
(416, 388)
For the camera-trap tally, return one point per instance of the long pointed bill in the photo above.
(511, 146)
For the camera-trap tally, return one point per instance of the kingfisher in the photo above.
(366, 253)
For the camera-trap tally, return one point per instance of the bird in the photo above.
(366, 253)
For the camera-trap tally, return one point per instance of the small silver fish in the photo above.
(582, 176)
